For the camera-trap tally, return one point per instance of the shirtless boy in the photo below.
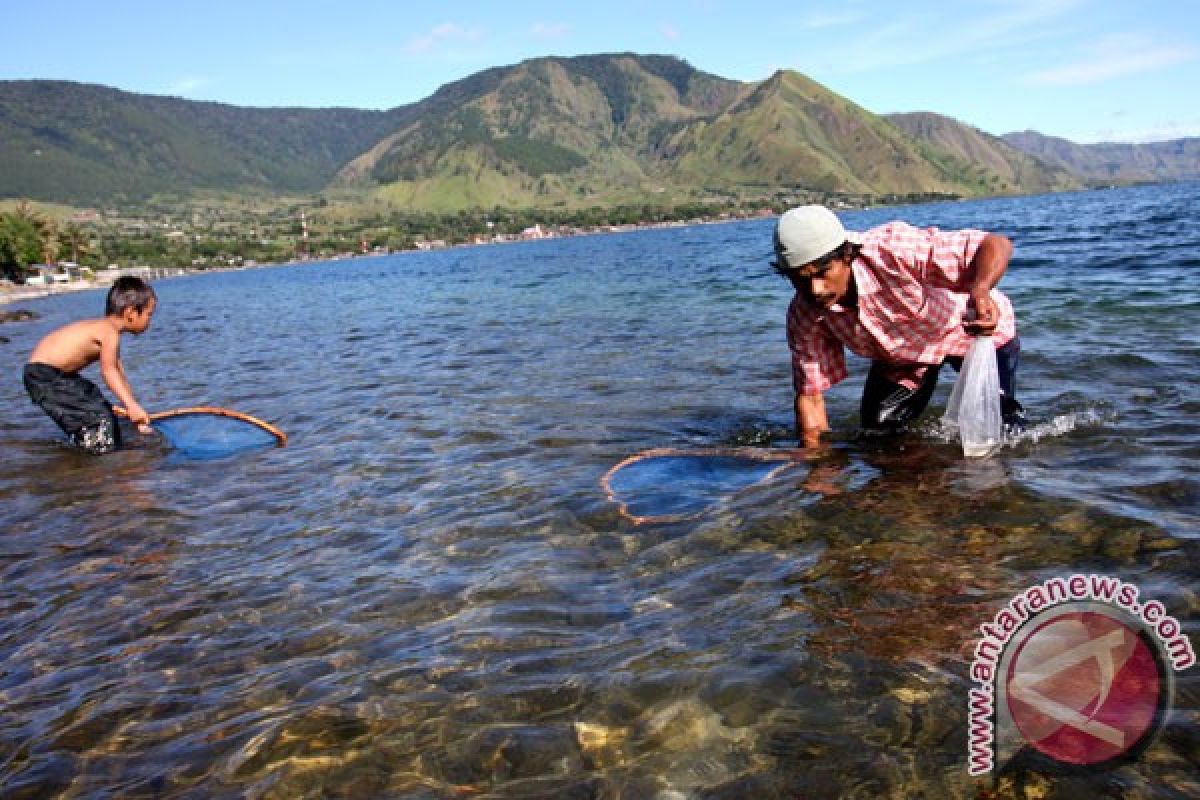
(52, 375)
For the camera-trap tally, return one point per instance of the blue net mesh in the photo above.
(207, 436)
(665, 486)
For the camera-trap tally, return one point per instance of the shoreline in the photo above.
(14, 293)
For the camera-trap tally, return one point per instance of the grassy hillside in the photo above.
(91, 144)
(1108, 163)
(618, 128)
(792, 131)
(547, 132)
(973, 152)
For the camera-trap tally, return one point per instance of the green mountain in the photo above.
(605, 129)
(81, 143)
(550, 132)
(1112, 162)
(982, 153)
(791, 131)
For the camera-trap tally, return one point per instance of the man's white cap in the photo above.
(806, 233)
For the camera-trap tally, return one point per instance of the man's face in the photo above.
(824, 282)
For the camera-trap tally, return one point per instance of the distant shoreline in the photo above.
(13, 293)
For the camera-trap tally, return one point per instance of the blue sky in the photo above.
(1087, 70)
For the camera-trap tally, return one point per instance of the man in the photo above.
(909, 299)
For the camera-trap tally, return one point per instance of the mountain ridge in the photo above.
(972, 149)
(120, 143)
(575, 131)
(1115, 162)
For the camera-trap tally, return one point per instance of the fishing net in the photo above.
(208, 433)
(665, 485)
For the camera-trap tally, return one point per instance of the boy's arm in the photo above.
(114, 376)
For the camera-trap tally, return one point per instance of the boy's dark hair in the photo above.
(128, 292)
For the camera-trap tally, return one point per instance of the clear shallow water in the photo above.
(427, 593)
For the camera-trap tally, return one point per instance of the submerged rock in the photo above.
(502, 753)
(601, 745)
(686, 725)
(20, 315)
(1121, 546)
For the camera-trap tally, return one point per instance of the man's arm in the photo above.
(818, 362)
(114, 376)
(811, 421)
(987, 267)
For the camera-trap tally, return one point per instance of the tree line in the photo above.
(28, 237)
(187, 235)
(182, 237)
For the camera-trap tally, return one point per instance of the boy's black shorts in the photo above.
(77, 405)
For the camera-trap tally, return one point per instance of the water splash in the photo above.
(1059, 425)
(1063, 424)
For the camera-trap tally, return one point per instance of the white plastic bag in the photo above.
(974, 408)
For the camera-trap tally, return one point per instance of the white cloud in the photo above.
(912, 39)
(447, 33)
(185, 86)
(550, 30)
(670, 32)
(1114, 57)
(819, 19)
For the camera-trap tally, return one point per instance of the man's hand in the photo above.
(810, 419)
(811, 438)
(987, 315)
(988, 266)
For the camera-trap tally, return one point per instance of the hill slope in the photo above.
(792, 131)
(546, 131)
(598, 129)
(975, 150)
(83, 143)
(1105, 163)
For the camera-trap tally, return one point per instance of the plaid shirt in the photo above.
(913, 287)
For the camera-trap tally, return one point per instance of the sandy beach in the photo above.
(15, 293)
(10, 294)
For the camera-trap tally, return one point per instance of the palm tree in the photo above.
(20, 246)
(75, 240)
(45, 228)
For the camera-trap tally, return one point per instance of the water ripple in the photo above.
(427, 594)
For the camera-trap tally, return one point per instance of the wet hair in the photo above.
(128, 292)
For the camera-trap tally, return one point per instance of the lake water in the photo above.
(427, 593)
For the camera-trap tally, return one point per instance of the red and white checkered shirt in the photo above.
(913, 290)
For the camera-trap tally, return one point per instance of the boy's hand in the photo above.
(138, 416)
